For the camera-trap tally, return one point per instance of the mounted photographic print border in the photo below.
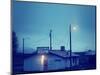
(52, 37)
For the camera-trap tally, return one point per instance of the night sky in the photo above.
(33, 22)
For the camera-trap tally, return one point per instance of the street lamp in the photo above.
(70, 41)
(50, 35)
(42, 59)
(44, 62)
(74, 28)
(23, 43)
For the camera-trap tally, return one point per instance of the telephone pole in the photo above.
(70, 36)
(23, 45)
(23, 52)
(50, 35)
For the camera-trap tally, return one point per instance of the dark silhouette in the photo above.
(14, 42)
(14, 49)
(17, 57)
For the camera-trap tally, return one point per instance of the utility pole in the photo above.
(70, 36)
(50, 35)
(23, 52)
(23, 45)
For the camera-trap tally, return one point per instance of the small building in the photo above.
(42, 50)
(88, 59)
(65, 58)
(57, 57)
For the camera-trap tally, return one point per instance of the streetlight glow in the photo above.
(74, 28)
(42, 59)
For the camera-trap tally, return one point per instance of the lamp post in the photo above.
(23, 45)
(44, 62)
(50, 35)
(70, 41)
(23, 52)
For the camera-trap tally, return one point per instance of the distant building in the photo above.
(64, 57)
(88, 59)
(58, 57)
(42, 50)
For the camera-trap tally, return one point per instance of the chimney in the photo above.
(62, 48)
